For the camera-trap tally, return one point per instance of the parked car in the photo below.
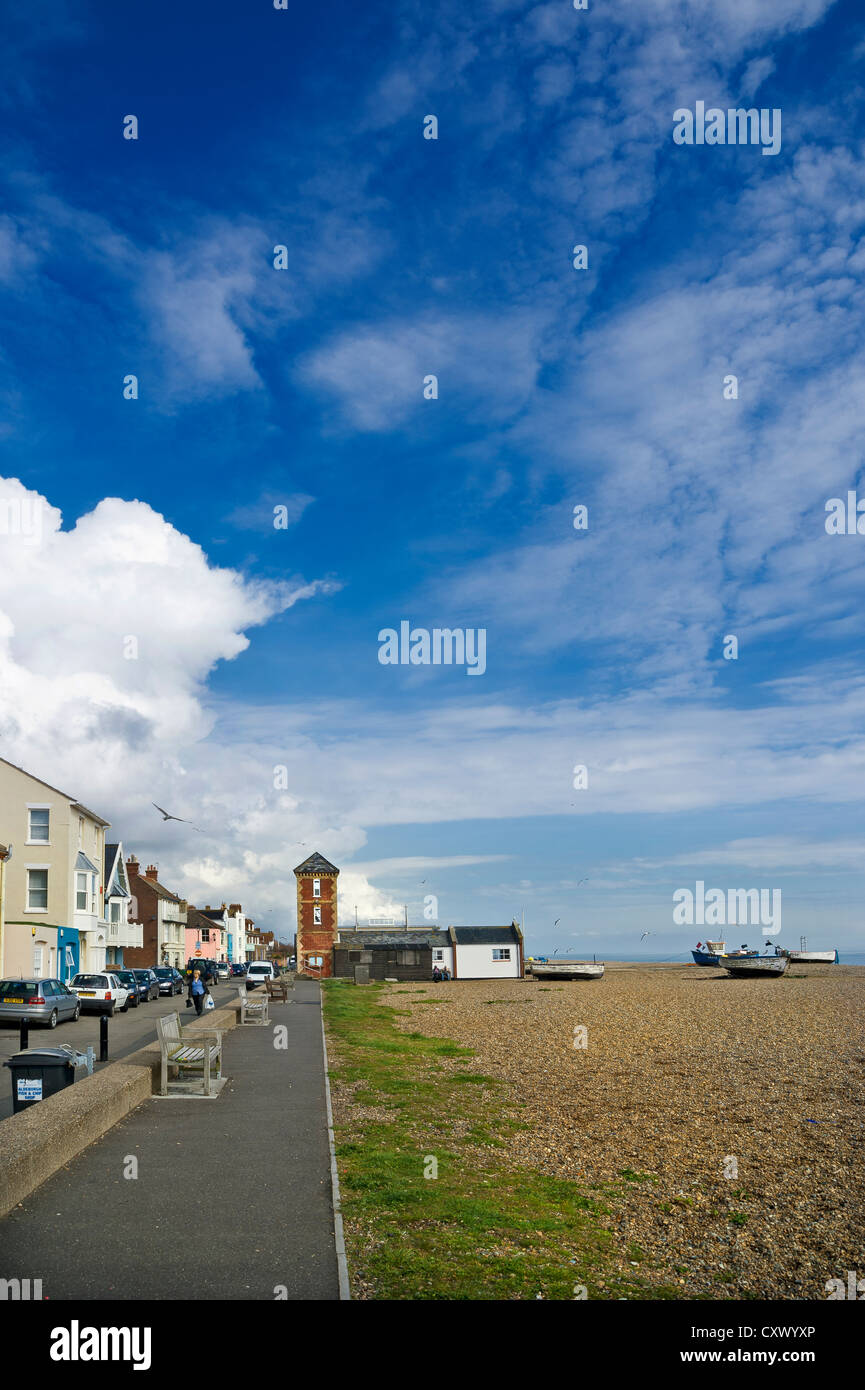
(239, 968)
(258, 972)
(222, 969)
(148, 985)
(127, 978)
(292, 962)
(38, 1001)
(170, 979)
(100, 993)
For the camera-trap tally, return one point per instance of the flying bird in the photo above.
(166, 816)
(582, 881)
(557, 921)
(645, 934)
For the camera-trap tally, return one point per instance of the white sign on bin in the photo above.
(29, 1088)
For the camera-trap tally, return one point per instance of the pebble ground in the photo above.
(723, 1118)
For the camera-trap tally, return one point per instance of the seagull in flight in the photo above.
(582, 881)
(557, 921)
(166, 816)
(645, 934)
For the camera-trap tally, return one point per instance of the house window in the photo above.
(80, 831)
(316, 916)
(409, 957)
(80, 892)
(37, 826)
(37, 961)
(504, 954)
(438, 955)
(316, 887)
(114, 909)
(205, 933)
(37, 890)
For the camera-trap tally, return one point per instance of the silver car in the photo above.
(38, 1001)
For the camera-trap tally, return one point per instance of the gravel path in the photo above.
(687, 1076)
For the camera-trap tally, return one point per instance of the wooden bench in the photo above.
(253, 1010)
(280, 987)
(196, 1056)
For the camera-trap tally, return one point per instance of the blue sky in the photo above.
(304, 388)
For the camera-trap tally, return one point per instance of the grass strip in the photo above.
(431, 1207)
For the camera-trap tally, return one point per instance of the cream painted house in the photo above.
(54, 912)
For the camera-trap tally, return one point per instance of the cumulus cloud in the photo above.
(108, 632)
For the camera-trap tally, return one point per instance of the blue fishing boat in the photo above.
(715, 953)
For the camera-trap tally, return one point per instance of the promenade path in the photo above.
(233, 1196)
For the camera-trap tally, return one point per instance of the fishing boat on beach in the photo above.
(565, 969)
(756, 965)
(806, 957)
(715, 952)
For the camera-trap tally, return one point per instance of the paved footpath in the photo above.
(233, 1195)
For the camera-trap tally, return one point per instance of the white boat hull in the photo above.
(814, 957)
(567, 970)
(768, 965)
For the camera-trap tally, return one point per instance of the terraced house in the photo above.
(54, 912)
(162, 915)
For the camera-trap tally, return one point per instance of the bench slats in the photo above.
(180, 1054)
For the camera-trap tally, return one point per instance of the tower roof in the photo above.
(316, 864)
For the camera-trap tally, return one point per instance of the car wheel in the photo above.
(52, 1022)
(111, 1010)
(77, 1013)
(125, 1009)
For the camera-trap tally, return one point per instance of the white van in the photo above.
(259, 971)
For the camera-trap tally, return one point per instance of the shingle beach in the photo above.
(723, 1116)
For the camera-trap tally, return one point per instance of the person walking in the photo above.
(197, 991)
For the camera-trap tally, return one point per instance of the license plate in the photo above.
(86, 994)
(13, 1001)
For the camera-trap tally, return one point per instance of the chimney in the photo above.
(132, 863)
(207, 909)
(151, 872)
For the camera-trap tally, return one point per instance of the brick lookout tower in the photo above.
(316, 915)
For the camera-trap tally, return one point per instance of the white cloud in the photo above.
(488, 361)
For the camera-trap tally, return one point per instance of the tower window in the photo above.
(316, 916)
(316, 887)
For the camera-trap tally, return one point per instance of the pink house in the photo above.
(205, 937)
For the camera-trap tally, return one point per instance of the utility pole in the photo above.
(405, 910)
